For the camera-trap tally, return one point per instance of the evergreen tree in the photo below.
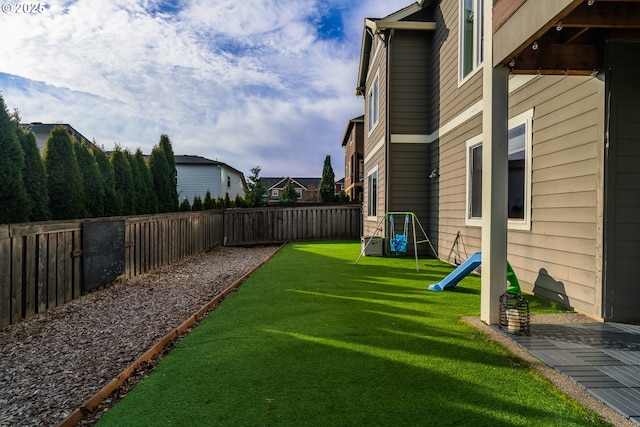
(15, 205)
(64, 181)
(197, 204)
(327, 187)
(34, 177)
(112, 202)
(239, 201)
(185, 206)
(255, 191)
(209, 203)
(219, 203)
(147, 197)
(124, 180)
(167, 149)
(161, 180)
(289, 194)
(227, 201)
(92, 181)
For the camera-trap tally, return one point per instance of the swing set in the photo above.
(398, 242)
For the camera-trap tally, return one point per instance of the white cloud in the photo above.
(247, 83)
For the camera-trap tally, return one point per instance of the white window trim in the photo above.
(477, 64)
(274, 193)
(375, 124)
(369, 173)
(525, 118)
(471, 222)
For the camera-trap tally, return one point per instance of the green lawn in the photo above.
(311, 339)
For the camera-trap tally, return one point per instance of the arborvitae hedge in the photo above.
(185, 206)
(162, 181)
(327, 187)
(34, 177)
(146, 200)
(197, 204)
(66, 193)
(124, 180)
(15, 205)
(167, 149)
(112, 201)
(92, 181)
(209, 203)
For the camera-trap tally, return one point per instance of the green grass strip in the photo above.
(312, 339)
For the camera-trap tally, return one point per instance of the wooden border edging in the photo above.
(78, 415)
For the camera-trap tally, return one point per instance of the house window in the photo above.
(471, 49)
(228, 182)
(299, 194)
(274, 193)
(519, 174)
(373, 104)
(361, 169)
(372, 194)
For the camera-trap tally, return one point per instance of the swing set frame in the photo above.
(414, 219)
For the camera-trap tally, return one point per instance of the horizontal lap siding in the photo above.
(453, 99)
(562, 252)
(409, 110)
(373, 137)
(560, 257)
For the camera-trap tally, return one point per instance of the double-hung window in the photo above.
(519, 174)
(471, 49)
(372, 193)
(373, 104)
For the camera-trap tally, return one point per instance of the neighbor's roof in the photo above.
(46, 128)
(272, 182)
(186, 159)
(351, 123)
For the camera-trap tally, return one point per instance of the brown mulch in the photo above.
(53, 362)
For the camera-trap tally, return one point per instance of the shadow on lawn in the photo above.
(312, 339)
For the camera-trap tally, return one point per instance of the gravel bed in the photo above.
(53, 362)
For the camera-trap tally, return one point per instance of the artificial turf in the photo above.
(312, 339)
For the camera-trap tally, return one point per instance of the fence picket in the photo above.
(41, 263)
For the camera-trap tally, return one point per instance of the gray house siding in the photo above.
(560, 257)
(231, 183)
(195, 180)
(375, 140)
(408, 183)
(197, 175)
(622, 230)
(409, 91)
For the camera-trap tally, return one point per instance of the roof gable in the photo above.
(395, 21)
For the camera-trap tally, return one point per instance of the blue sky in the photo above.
(249, 83)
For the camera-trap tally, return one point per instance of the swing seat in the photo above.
(399, 244)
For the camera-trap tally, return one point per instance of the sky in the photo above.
(265, 83)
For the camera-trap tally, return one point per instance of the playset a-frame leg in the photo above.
(415, 240)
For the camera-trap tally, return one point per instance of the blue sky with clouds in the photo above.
(250, 83)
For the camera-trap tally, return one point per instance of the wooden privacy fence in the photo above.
(43, 265)
(46, 264)
(290, 224)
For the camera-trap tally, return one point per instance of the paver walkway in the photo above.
(604, 358)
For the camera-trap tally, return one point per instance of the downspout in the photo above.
(387, 148)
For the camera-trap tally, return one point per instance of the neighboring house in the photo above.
(560, 78)
(353, 144)
(339, 186)
(306, 188)
(196, 175)
(42, 132)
